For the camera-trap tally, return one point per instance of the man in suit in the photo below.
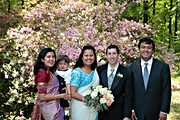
(151, 84)
(117, 78)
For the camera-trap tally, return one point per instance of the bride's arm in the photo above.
(76, 95)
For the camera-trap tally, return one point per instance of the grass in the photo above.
(175, 101)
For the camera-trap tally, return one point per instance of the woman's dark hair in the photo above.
(147, 40)
(39, 64)
(79, 62)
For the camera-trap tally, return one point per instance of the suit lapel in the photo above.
(140, 75)
(153, 72)
(104, 76)
(116, 78)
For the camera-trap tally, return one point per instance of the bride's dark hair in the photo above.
(79, 62)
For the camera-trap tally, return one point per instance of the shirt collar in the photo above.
(149, 61)
(115, 68)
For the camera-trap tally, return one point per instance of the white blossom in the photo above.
(94, 94)
(12, 62)
(97, 89)
(103, 91)
(102, 100)
(26, 103)
(25, 54)
(16, 85)
(15, 73)
(14, 91)
(11, 100)
(20, 61)
(6, 75)
(25, 84)
(19, 101)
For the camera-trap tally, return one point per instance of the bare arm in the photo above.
(76, 95)
(68, 90)
(48, 97)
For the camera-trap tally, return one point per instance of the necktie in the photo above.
(110, 79)
(146, 75)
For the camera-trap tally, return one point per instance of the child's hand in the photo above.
(68, 90)
(64, 88)
(65, 96)
(69, 95)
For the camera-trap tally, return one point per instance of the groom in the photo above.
(118, 79)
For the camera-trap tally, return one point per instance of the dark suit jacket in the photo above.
(62, 85)
(148, 103)
(122, 91)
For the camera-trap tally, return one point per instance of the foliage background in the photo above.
(29, 25)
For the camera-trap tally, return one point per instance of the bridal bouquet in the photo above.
(99, 98)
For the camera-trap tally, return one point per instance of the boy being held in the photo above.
(63, 73)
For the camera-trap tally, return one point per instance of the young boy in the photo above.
(63, 73)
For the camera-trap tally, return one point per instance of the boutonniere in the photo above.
(119, 75)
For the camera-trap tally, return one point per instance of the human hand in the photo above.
(162, 116)
(69, 93)
(69, 96)
(133, 116)
(65, 96)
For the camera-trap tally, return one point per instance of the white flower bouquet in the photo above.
(100, 98)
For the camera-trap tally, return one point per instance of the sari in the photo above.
(84, 82)
(51, 110)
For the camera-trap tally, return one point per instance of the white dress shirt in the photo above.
(148, 66)
(109, 70)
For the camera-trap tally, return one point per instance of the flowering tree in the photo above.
(65, 26)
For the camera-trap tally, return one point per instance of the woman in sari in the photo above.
(47, 85)
(83, 77)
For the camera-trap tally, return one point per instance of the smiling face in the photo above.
(88, 57)
(146, 51)
(49, 59)
(112, 56)
(62, 65)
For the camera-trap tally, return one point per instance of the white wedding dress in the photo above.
(79, 111)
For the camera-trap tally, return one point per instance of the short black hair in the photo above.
(79, 62)
(146, 40)
(63, 58)
(112, 46)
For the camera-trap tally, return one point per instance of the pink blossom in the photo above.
(109, 102)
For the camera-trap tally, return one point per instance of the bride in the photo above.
(83, 77)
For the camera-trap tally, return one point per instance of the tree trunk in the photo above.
(154, 7)
(145, 9)
(22, 3)
(170, 25)
(9, 5)
(176, 21)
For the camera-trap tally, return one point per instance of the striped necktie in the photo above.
(110, 79)
(146, 75)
